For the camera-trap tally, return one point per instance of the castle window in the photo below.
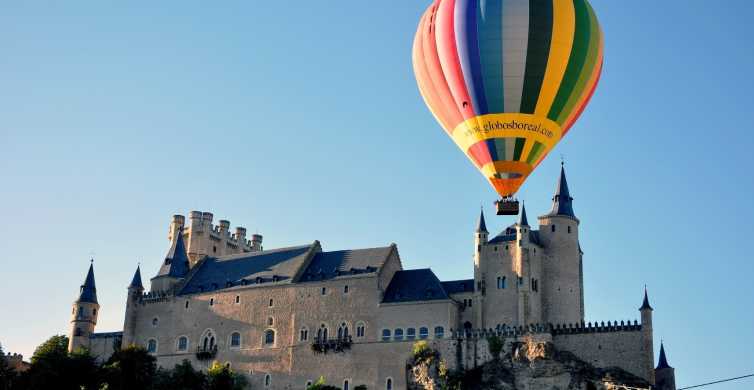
(322, 332)
(506, 247)
(269, 337)
(78, 332)
(360, 329)
(324, 290)
(212, 301)
(267, 380)
(155, 321)
(235, 340)
(345, 289)
(520, 281)
(214, 249)
(270, 302)
(398, 334)
(423, 332)
(386, 335)
(410, 333)
(152, 346)
(439, 332)
(270, 321)
(552, 228)
(569, 230)
(346, 385)
(389, 384)
(308, 383)
(187, 305)
(238, 299)
(182, 343)
(343, 331)
(94, 312)
(303, 334)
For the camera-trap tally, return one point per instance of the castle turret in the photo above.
(481, 236)
(135, 289)
(647, 337)
(174, 268)
(256, 242)
(664, 373)
(562, 296)
(84, 313)
(176, 225)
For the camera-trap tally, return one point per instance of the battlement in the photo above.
(155, 297)
(552, 329)
(204, 238)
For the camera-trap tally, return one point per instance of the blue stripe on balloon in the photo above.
(490, 29)
(468, 52)
(493, 150)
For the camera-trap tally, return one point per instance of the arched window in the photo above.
(212, 301)
(270, 302)
(187, 304)
(346, 385)
(322, 332)
(360, 329)
(152, 346)
(386, 335)
(303, 334)
(238, 299)
(343, 331)
(235, 340)
(208, 340)
(155, 321)
(78, 332)
(182, 344)
(267, 380)
(389, 384)
(308, 383)
(569, 230)
(552, 228)
(398, 334)
(439, 332)
(269, 337)
(410, 333)
(270, 321)
(423, 332)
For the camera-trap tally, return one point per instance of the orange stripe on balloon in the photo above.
(447, 51)
(423, 79)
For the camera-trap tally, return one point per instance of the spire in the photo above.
(522, 220)
(645, 305)
(176, 261)
(562, 202)
(482, 227)
(88, 291)
(663, 363)
(136, 281)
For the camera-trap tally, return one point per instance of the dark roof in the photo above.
(522, 220)
(481, 226)
(663, 363)
(534, 237)
(279, 265)
(106, 335)
(458, 286)
(562, 202)
(645, 305)
(136, 281)
(504, 236)
(88, 291)
(176, 262)
(414, 285)
(328, 265)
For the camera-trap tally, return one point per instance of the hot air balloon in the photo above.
(507, 79)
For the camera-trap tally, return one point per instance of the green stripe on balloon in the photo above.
(536, 150)
(520, 142)
(538, 52)
(576, 60)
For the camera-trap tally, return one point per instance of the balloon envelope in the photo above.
(507, 78)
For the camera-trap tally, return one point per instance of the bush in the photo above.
(421, 351)
(495, 345)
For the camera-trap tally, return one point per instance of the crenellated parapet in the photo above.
(204, 238)
(506, 331)
(155, 297)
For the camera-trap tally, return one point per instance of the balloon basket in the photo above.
(507, 206)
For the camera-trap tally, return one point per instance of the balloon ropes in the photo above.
(507, 79)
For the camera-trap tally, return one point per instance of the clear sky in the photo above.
(302, 121)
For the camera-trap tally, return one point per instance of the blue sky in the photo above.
(302, 121)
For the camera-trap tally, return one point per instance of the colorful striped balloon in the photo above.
(507, 78)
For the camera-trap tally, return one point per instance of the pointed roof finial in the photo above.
(562, 202)
(88, 291)
(482, 226)
(645, 305)
(663, 362)
(522, 220)
(136, 281)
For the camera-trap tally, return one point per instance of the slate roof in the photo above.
(663, 363)
(106, 335)
(329, 265)
(414, 285)
(88, 292)
(272, 266)
(509, 235)
(458, 286)
(522, 220)
(482, 225)
(176, 262)
(136, 281)
(562, 202)
(645, 305)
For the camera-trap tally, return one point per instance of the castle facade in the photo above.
(287, 316)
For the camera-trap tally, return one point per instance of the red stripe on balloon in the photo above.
(447, 51)
(584, 103)
(480, 154)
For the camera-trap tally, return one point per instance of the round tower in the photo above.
(481, 236)
(84, 313)
(135, 289)
(647, 336)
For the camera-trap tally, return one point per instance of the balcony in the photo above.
(336, 345)
(206, 353)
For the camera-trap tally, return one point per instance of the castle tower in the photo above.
(481, 236)
(84, 313)
(135, 289)
(562, 290)
(174, 268)
(647, 336)
(664, 373)
(528, 269)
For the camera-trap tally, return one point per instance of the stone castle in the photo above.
(284, 317)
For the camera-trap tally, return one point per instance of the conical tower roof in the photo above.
(645, 305)
(562, 202)
(663, 362)
(88, 291)
(176, 262)
(522, 220)
(136, 281)
(482, 225)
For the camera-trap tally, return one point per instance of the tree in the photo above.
(130, 368)
(55, 348)
(320, 385)
(220, 377)
(7, 374)
(183, 376)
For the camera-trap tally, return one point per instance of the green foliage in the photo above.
(320, 385)
(7, 374)
(129, 368)
(55, 348)
(220, 377)
(495, 345)
(422, 352)
(52, 367)
(360, 387)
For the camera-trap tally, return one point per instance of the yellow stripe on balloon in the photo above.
(507, 125)
(563, 30)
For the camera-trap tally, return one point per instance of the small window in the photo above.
(303, 334)
(520, 281)
(182, 343)
(389, 384)
(410, 333)
(214, 249)
(552, 228)
(269, 337)
(494, 248)
(346, 385)
(360, 329)
(94, 312)
(423, 332)
(152, 346)
(267, 380)
(186, 305)
(212, 301)
(270, 302)
(155, 321)
(439, 332)
(235, 340)
(270, 321)
(308, 383)
(386, 335)
(324, 290)
(569, 230)
(398, 334)
(345, 289)
(238, 299)
(227, 365)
